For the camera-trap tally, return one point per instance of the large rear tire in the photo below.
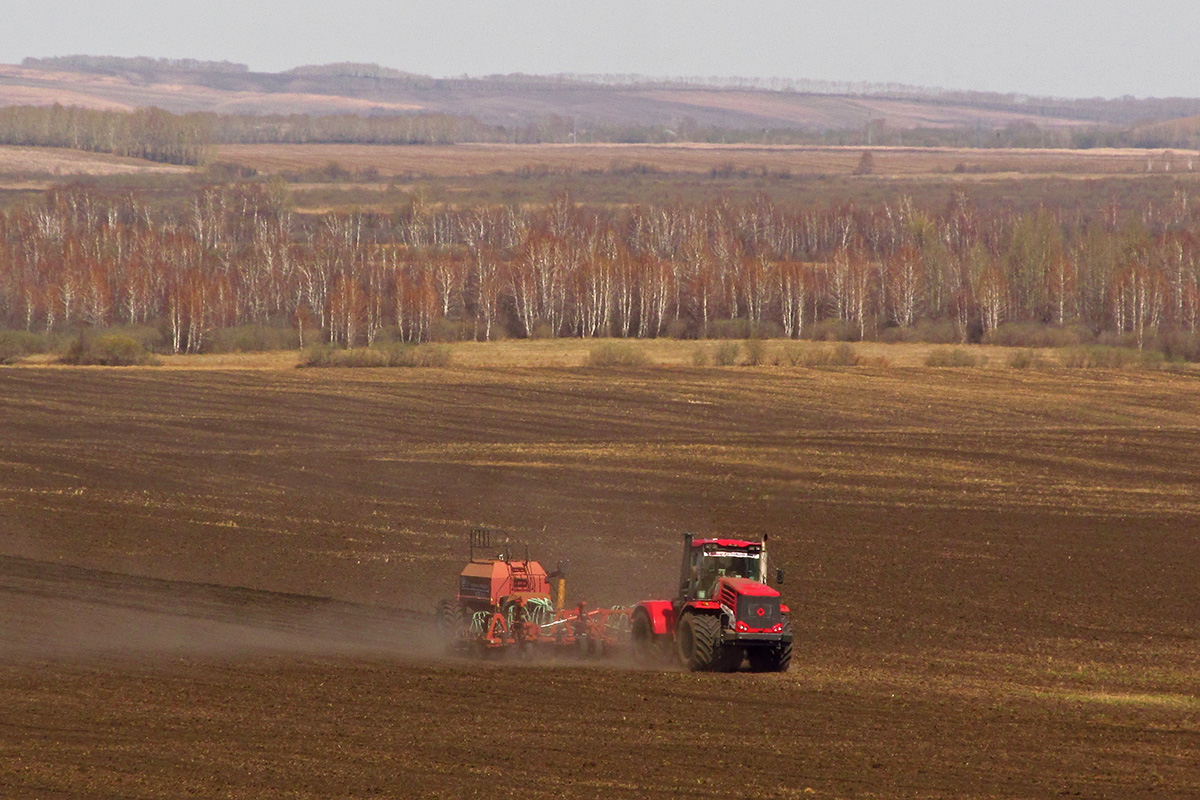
(645, 645)
(698, 641)
(773, 659)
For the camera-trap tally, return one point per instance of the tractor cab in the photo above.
(706, 561)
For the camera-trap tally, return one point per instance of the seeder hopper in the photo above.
(511, 605)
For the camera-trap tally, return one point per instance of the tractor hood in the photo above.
(753, 607)
(749, 588)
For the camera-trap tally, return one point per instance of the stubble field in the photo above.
(215, 581)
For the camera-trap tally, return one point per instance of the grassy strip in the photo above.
(387, 355)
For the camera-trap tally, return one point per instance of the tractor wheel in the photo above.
(698, 640)
(773, 659)
(645, 648)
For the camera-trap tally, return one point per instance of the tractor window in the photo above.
(728, 564)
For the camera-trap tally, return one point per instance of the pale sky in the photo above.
(1067, 48)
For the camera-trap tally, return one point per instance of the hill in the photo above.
(514, 100)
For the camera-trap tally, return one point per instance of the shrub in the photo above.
(150, 337)
(936, 331)
(362, 357)
(1026, 334)
(834, 330)
(319, 355)
(1152, 359)
(954, 357)
(1026, 359)
(428, 355)
(325, 355)
(615, 354)
(789, 355)
(795, 355)
(729, 329)
(15, 345)
(756, 352)
(924, 330)
(1102, 357)
(700, 357)
(766, 329)
(727, 354)
(866, 163)
(447, 330)
(679, 329)
(109, 350)
(1178, 346)
(843, 355)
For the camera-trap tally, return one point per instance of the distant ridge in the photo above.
(613, 100)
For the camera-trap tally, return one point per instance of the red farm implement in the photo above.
(506, 604)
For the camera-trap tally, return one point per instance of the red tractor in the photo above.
(725, 613)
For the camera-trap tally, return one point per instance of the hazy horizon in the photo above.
(1064, 49)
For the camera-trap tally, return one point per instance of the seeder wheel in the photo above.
(449, 617)
(646, 649)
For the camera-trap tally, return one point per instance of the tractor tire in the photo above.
(698, 641)
(773, 659)
(645, 645)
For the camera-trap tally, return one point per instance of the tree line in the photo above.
(392, 129)
(237, 256)
(116, 65)
(148, 133)
(161, 136)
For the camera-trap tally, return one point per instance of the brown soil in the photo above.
(214, 581)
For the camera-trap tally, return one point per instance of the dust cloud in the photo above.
(50, 610)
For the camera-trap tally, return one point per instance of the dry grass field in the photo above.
(484, 159)
(620, 175)
(776, 354)
(214, 580)
(54, 162)
(383, 178)
(472, 160)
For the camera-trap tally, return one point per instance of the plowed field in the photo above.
(215, 583)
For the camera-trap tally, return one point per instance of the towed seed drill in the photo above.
(506, 604)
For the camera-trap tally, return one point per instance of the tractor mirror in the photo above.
(779, 575)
